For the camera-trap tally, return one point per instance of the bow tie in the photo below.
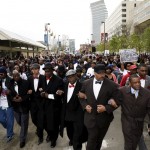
(143, 78)
(71, 85)
(98, 82)
(48, 78)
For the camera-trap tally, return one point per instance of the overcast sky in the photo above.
(69, 17)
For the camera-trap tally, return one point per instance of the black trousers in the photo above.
(74, 133)
(34, 112)
(23, 121)
(95, 137)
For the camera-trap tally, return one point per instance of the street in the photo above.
(113, 139)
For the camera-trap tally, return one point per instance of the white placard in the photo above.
(128, 55)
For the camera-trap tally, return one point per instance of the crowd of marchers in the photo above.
(76, 93)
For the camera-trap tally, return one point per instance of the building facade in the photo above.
(99, 14)
(121, 20)
(142, 17)
(72, 46)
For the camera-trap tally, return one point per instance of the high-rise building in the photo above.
(99, 14)
(121, 20)
(72, 45)
(141, 16)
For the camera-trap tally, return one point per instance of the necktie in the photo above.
(71, 85)
(97, 82)
(142, 78)
(48, 78)
(136, 93)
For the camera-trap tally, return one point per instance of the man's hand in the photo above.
(43, 94)
(29, 92)
(101, 108)
(59, 92)
(7, 92)
(46, 95)
(17, 99)
(82, 95)
(88, 108)
(112, 103)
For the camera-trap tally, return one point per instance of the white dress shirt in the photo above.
(135, 92)
(3, 98)
(41, 69)
(16, 87)
(70, 91)
(36, 81)
(96, 88)
(142, 83)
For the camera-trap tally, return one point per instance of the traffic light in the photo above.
(93, 49)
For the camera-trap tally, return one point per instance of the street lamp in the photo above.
(47, 30)
(58, 44)
(104, 35)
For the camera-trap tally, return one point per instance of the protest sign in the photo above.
(128, 55)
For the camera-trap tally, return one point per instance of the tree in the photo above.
(146, 39)
(135, 41)
(113, 43)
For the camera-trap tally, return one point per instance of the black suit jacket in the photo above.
(23, 87)
(52, 107)
(108, 90)
(73, 109)
(35, 97)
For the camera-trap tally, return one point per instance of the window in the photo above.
(134, 5)
(123, 15)
(123, 10)
(123, 5)
(123, 20)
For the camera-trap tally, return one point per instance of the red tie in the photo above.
(48, 78)
(143, 78)
(71, 85)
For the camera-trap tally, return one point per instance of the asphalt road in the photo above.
(112, 141)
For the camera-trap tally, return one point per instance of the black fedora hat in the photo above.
(99, 68)
(49, 66)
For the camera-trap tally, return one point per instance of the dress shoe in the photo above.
(48, 139)
(53, 144)
(70, 143)
(40, 141)
(22, 144)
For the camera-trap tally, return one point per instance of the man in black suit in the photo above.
(36, 86)
(52, 105)
(73, 114)
(20, 102)
(98, 113)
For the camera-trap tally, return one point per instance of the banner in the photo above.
(104, 37)
(128, 55)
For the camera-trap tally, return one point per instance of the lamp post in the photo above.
(47, 30)
(58, 45)
(104, 35)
